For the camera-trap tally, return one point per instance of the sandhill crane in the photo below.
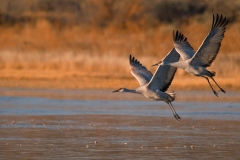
(154, 86)
(196, 63)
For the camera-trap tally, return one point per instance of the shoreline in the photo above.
(78, 80)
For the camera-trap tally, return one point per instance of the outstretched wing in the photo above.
(164, 75)
(142, 75)
(182, 46)
(208, 51)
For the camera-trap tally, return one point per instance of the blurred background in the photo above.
(86, 43)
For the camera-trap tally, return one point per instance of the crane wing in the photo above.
(142, 75)
(182, 46)
(208, 51)
(164, 75)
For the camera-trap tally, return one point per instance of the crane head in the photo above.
(157, 64)
(119, 90)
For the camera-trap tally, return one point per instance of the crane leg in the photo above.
(218, 85)
(173, 111)
(211, 86)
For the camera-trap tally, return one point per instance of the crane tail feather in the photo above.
(172, 95)
(213, 73)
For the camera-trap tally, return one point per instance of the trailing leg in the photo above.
(218, 85)
(173, 111)
(211, 86)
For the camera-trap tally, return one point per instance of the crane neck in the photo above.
(179, 64)
(131, 90)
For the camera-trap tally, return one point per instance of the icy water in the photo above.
(89, 124)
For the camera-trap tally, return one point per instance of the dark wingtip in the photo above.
(176, 35)
(179, 37)
(219, 21)
(133, 59)
(173, 34)
(213, 20)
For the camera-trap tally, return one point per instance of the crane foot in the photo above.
(223, 90)
(215, 93)
(177, 117)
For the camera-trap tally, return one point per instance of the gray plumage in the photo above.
(164, 75)
(196, 62)
(142, 75)
(154, 86)
(208, 51)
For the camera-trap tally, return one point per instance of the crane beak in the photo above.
(157, 64)
(115, 91)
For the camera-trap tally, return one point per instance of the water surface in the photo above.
(89, 124)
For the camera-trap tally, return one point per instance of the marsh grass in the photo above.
(43, 54)
(81, 71)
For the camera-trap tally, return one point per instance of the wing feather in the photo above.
(142, 75)
(208, 51)
(182, 46)
(164, 75)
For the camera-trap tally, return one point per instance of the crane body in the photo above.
(197, 62)
(154, 86)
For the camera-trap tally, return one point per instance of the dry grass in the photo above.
(99, 72)
(74, 57)
(43, 38)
